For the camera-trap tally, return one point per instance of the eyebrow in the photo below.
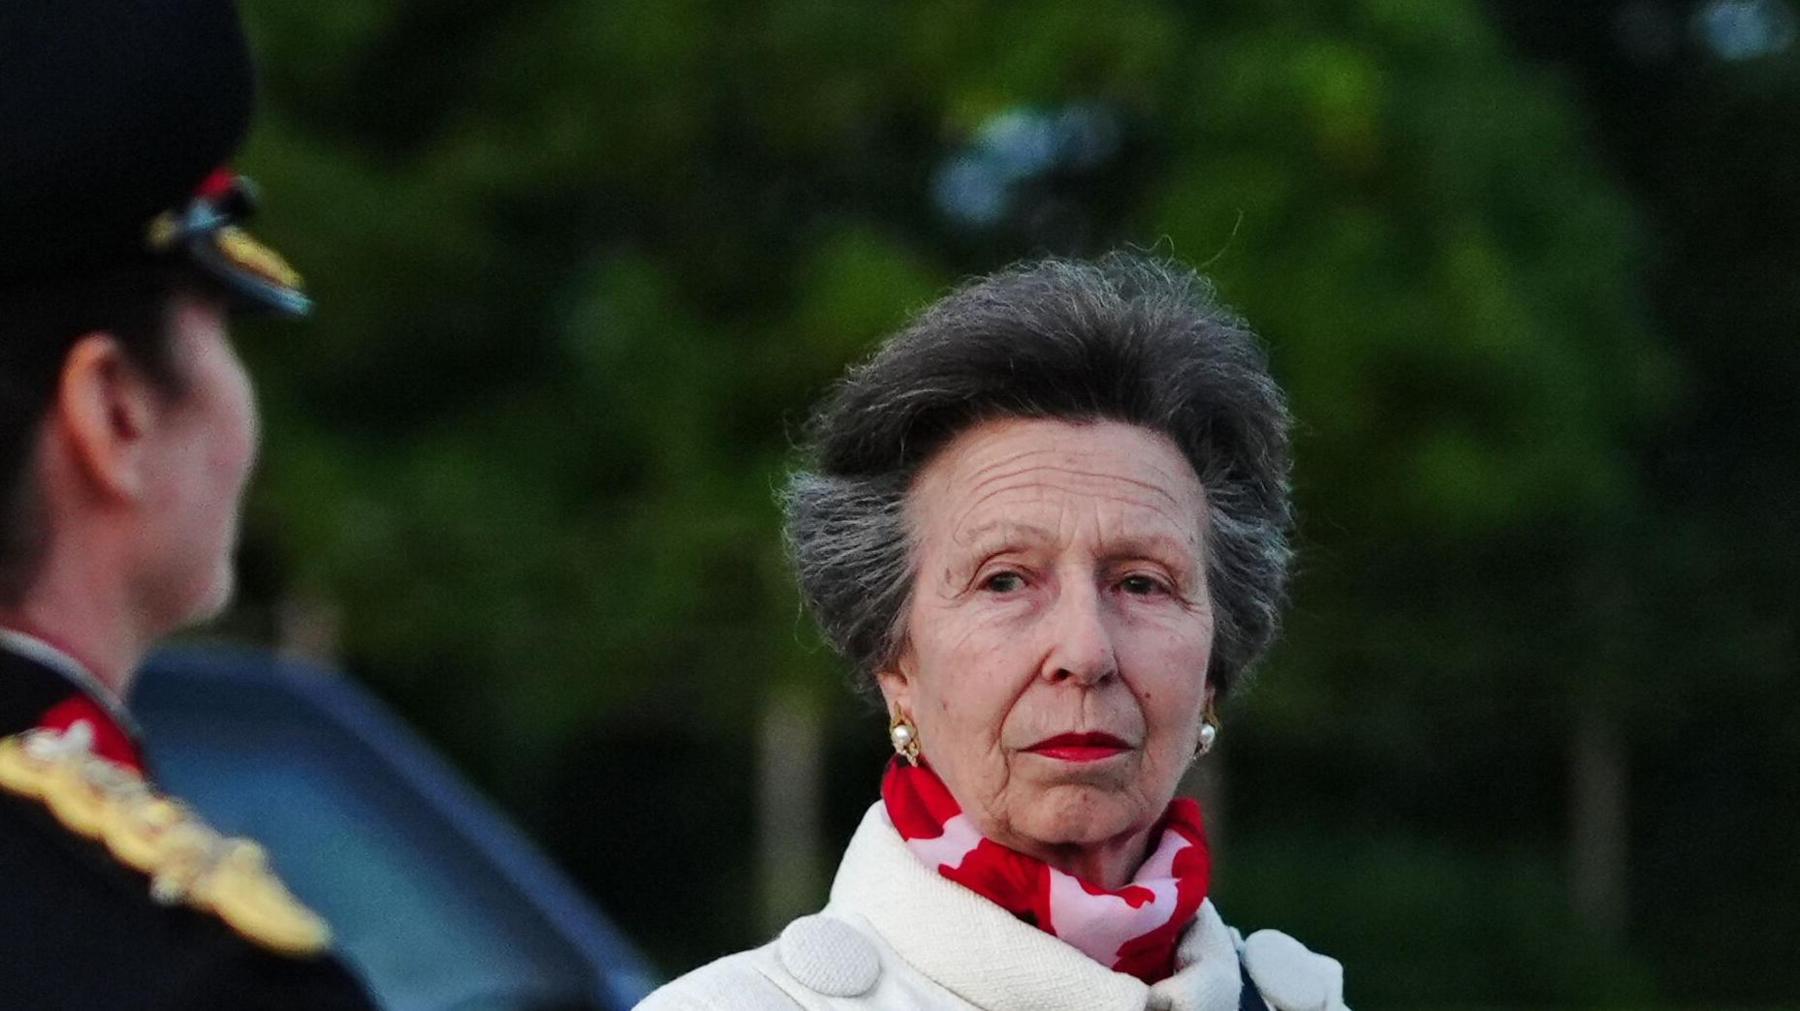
(998, 531)
(1153, 546)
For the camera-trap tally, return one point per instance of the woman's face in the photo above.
(1058, 633)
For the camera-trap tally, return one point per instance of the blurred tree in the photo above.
(582, 266)
(1697, 105)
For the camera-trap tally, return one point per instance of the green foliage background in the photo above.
(582, 267)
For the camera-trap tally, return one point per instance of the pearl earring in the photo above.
(1209, 732)
(905, 738)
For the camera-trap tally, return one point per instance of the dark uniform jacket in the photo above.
(79, 924)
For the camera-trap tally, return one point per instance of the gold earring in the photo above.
(1209, 732)
(905, 738)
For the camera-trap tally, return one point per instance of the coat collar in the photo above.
(41, 686)
(985, 956)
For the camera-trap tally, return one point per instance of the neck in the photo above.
(1110, 864)
(89, 619)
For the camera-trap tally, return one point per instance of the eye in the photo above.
(1004, 582)
(1141, 585)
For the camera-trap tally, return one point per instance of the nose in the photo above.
(1081, 643)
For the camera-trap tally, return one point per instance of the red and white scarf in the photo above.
(1133, 929)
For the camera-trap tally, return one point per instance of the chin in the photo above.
(1078, 814)
(209, 601)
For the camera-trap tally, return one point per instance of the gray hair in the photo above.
(1125, 338)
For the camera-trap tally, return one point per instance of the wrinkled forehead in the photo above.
(1032, 478)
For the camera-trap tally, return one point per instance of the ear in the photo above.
(896, 683)
(104, 410)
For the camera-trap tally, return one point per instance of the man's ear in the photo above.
(104, 409)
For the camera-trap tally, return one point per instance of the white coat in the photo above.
(897, 935)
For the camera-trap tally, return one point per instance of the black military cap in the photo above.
(117, 119)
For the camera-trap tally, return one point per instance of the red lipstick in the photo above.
(1089, 747)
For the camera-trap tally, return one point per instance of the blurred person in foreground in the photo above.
(128, 432)
(1047, 522)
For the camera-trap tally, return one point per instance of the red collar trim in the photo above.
(89, 700)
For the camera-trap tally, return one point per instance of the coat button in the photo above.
(1290, 977)
(827, 955)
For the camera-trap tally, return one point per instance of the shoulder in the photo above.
(1289, 976)
(740, 981)
(98, 913)
(817, 962)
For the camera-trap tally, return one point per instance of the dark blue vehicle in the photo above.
(434, 897)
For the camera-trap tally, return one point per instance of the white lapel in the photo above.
(1206, 975)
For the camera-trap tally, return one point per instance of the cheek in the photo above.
(967, 679)
(969, 688)
(236, 430)
(1169, 664)
(243, 458)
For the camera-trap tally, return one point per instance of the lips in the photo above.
(1087, 747)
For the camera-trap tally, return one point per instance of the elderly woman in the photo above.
(1047, 523)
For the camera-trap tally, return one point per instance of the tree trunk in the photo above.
(1598, 825)
(790, 770)
(308, 627)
